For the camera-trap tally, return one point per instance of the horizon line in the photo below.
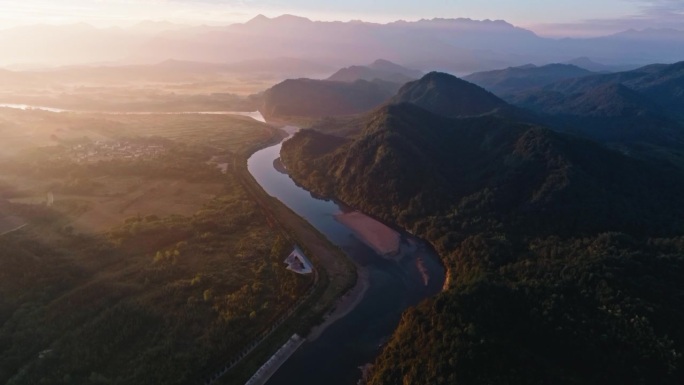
(191, 24)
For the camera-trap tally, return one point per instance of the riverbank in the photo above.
(348, 320)
(345, 304)
(381, 238)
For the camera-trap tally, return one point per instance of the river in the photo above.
(355, 340)
(254, 115)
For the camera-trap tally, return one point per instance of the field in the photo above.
(141, 262)
(120, 198)
(144, 89)
(95, 202)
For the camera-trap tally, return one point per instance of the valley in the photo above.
(538, 229)
(149, 236)
(361, 194)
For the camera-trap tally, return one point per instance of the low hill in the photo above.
(380, 69)
(447, 95)
(310, 98)
(517, 79)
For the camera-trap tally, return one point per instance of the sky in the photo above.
(548, 18)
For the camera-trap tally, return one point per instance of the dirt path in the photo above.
(14, 229)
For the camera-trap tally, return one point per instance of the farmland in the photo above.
(159, 262)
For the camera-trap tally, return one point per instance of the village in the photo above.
(100, 150)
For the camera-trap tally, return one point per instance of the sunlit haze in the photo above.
(576, 18)
(341, 192)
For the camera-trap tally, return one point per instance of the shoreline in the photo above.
(344, 305)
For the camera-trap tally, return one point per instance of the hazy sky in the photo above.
(555, 17)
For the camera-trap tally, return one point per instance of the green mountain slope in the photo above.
(659, 83)
(609, 113)
(557, 269)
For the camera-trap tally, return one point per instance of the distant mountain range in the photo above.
(516, 79)
(454, 45)
(638, 106)
(590, 65)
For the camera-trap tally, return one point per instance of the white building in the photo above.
(298, 262)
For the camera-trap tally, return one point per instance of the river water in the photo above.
(27, 107)
(355, 340)
(256, 115)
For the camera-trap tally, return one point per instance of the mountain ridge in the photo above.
(455, 45)
(538, 229)
(518, 79)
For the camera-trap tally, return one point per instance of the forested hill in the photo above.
(565, 257)
(613, 113)
(638, 111)
(308, 98)
(447, 95)
(658, 86)
(517, 79)
(487, 173)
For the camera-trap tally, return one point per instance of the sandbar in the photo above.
(381, 238)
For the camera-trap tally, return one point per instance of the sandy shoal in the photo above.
(378, 236)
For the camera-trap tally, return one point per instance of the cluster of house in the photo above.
(108, 150)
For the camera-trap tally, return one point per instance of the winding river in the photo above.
(355, 340)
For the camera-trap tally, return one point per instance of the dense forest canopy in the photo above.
(565, 257)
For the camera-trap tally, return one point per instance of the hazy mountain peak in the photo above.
(383, 63)
(157, 26)
(651, 33)
(388, 66)
(288, 18)
(258, 19)
(380, 69)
